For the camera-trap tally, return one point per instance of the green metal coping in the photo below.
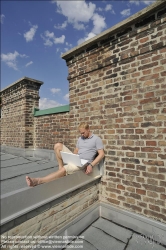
(50, 111)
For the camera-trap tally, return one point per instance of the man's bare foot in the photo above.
(31, 182)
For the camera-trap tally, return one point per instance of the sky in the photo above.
(34, 35)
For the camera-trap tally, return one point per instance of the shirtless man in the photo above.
(88, 146)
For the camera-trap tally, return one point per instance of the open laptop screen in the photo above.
(69, 158)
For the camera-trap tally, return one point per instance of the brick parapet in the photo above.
(50, 129)
(141, 18)
(119, 51)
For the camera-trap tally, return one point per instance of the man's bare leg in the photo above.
(57, 148)
(31, 182)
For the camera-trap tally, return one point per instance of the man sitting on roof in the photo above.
(88, 146)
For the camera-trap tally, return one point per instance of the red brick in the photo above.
(163, 50)
(126, 98)
(146, 72)
(154, 208)
(139, 131)
(141, 191)
(120, 187)
(150, 94)
(163, 196)
(151, 131)
(111, 174)
(131, 148)
(130, 166)
(153, 76)
(163, 73)
(138, 119)
(163, 61)
(135, 74)
(150, 100)
(119, 120)
(148, 149)
(156, 58)
(143, 40)
(151, 143)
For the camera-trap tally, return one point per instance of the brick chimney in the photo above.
(17, 120)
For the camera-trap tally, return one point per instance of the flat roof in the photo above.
(106, 235)
(101, 234)
(14, 169)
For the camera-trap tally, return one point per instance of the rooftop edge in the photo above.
(135, 17)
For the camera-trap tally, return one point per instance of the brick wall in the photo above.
(118, 85)
(17, 120)
(50, 129)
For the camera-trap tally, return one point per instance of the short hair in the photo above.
(83, 125)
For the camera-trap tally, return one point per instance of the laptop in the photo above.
(69, 158)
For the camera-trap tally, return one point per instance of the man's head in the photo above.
(84, 129)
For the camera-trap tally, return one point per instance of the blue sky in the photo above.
(34, 35)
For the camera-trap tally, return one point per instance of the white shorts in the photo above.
(70, 168)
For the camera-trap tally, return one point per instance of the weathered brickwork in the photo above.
(50, 129)
(51, 217)
(118, 85)
(17, 120)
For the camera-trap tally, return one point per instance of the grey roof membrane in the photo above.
(15, 168)
(101, 235)
(107, 235)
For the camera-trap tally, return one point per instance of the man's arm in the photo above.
(75, 151)
(100, 156)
